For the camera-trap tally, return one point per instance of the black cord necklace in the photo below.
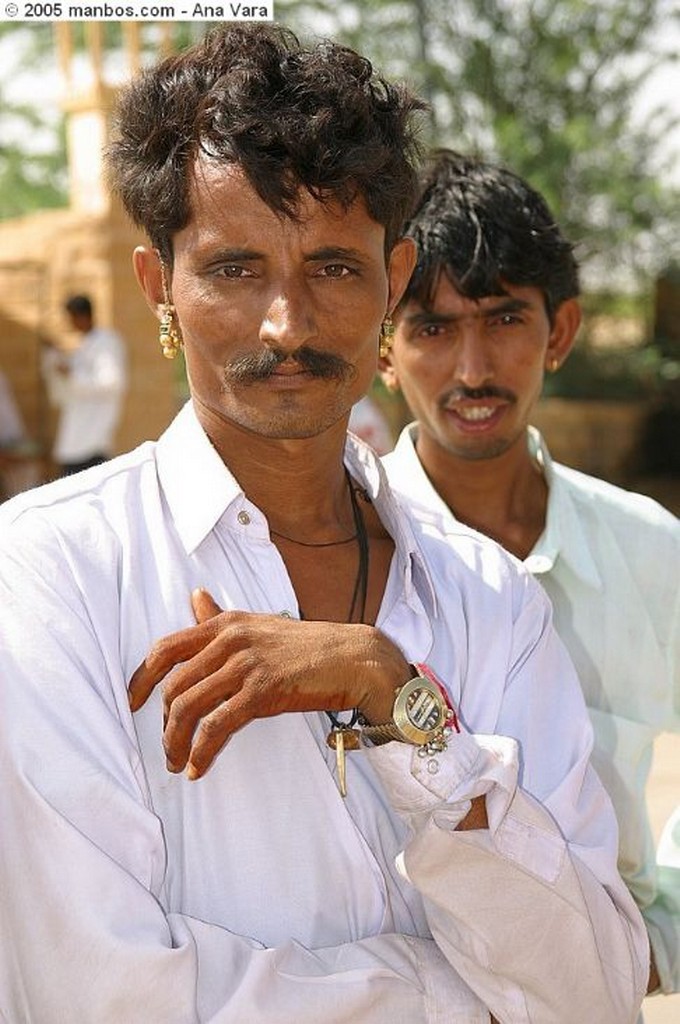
(306, 543)
(360, 535)
(343, 736)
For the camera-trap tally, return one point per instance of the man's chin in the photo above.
(290, 427)
(479, 450)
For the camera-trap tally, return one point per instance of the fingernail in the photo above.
(172, 767)
(192, 772)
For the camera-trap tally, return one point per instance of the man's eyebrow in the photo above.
(428, 316)
(230, 256)
(335, 252)
(511, 304)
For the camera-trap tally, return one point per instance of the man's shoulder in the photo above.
(71, 500)
(616, 505)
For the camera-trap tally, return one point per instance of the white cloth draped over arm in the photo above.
(500, 901)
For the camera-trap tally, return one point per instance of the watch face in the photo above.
(424, 709)
(419, 710)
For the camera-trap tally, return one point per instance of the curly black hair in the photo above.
(291, 116)
(484, 226)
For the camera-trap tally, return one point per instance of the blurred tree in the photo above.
(548, 87)
(32, 144)
(32, 131)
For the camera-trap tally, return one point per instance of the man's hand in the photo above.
(233, 667)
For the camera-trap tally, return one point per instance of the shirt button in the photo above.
(243, 518)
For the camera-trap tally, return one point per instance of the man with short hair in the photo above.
(493, 304)
(347, 795)
(87, 384)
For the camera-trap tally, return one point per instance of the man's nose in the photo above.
(288, 322)
(473, 366)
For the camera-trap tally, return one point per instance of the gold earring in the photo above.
(553, 364)
(168, 336)
(386, 337)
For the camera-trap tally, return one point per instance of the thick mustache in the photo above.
(256, 366)
(459, 394)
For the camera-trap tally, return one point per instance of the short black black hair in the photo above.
(482, 225)
(79, 305)
(291, 116)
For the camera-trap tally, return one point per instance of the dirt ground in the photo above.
(664, 795)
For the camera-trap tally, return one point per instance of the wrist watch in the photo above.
(420, 715)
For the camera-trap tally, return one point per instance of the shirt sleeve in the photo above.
(531, 912)
(84, 935)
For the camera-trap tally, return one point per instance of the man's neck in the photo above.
(504, 497)
(299, 484)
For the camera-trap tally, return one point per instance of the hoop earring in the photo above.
(168, 336)
(386, 337)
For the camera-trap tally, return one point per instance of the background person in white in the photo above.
(18, 464)
(151, 873)
(88, 385)
(492, 304)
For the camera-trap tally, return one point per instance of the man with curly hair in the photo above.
(275, 747)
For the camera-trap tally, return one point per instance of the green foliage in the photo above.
(547, 87)
(31, 177)
(612, 374)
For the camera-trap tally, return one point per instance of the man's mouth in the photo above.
(474, 413)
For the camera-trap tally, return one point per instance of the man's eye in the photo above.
(430, 330)
(336, 270)
(233, 271)
(507, 320)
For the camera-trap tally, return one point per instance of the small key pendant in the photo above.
(341, 740)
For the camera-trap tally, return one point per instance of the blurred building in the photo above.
(86, 247)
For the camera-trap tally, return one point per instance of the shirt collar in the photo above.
(197, 485)
(199, 489)
(367, 468)
(564, 535)
(407, 471)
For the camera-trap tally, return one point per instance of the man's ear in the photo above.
(399, 269)
(149, 274)
(563, 334)
(388, 373)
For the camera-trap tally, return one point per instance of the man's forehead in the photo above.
(210, 179)
(446, 295)
(448, 301)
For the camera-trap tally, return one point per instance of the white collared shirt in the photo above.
(89, 397)
(610, 563)
(258, 894)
